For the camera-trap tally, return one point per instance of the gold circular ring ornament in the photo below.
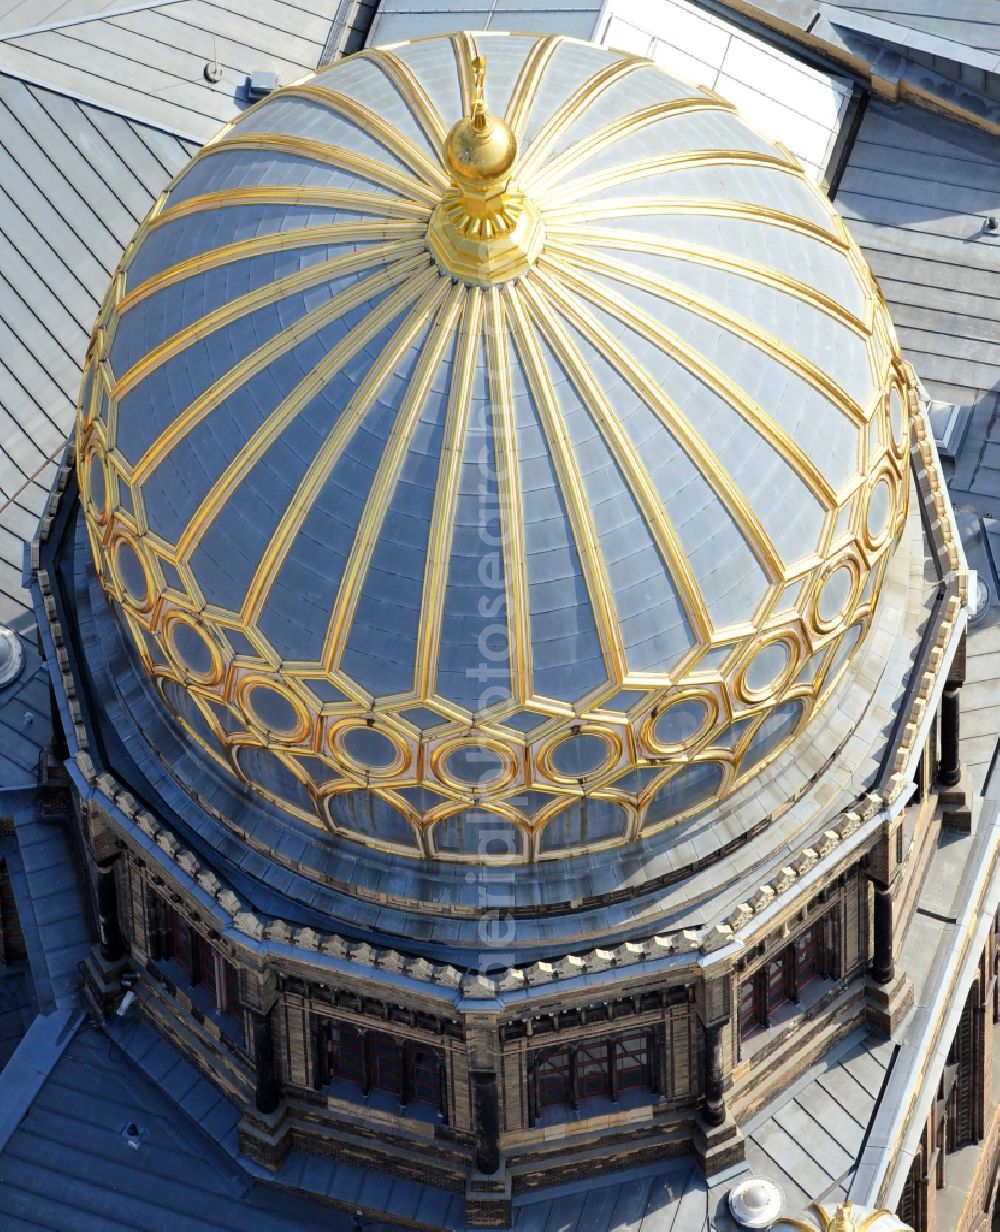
(838, 593)
(581, 756)
(878, 509)
(95, 485)
(770, 669)
(525, 498)
(273, 710)
(677, 727)
(192, 651)
(131, 573)
(898, 420)
(363, 748)
(480, 765)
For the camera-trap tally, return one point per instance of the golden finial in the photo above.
(842, 1220)
(479, 92)
(484, 230)
(480, 148)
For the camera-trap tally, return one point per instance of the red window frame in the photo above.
(553, 1078)
(569, 1074)
(424, 1067)
(346, 1052)
(996, 968)
(782, 979)
(776, 986)
(204, 967)
(386, 1058)
(231, 987)
(807, 953)
(375, 1060)
(749, 1015)
(593, 1075)
(182, 943)
(632, 1061)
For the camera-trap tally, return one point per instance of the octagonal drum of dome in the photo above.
(554, 493)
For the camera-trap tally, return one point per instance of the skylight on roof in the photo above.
(788, 100)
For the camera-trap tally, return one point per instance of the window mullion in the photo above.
(406, 1078)
(367, 1060)
(612, 1063)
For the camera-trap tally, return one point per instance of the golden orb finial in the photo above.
(480, 149)
(484, 231)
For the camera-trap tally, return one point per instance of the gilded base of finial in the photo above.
(484, 247)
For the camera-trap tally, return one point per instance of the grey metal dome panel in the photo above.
(340, 490)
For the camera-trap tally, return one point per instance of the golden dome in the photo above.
(567, 525)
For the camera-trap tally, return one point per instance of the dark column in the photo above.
(949, 767)
(532, 1087)
(486, 1108)
(156, 927)
(613, 1069)
(980, 1043)
(661, 1064)
(762, 1001)
(832, 943)
(112, 945)
(268, 1093)
(883, 967)
(405, 1058)
(319, 1034)
(367, 1060)
(443, 1089)
(714, 1106)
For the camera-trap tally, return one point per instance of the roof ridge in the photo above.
(884, 29)
(85, 18)
(123, 113)
(33, 1060)
(6, 501)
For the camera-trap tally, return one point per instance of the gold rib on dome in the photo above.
(485, 230)
(467, 413)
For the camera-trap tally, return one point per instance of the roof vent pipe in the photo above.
(260, 84)
(755, 1202)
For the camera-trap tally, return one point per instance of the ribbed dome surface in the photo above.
(504, 570)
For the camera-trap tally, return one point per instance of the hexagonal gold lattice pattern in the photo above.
(419, 770)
